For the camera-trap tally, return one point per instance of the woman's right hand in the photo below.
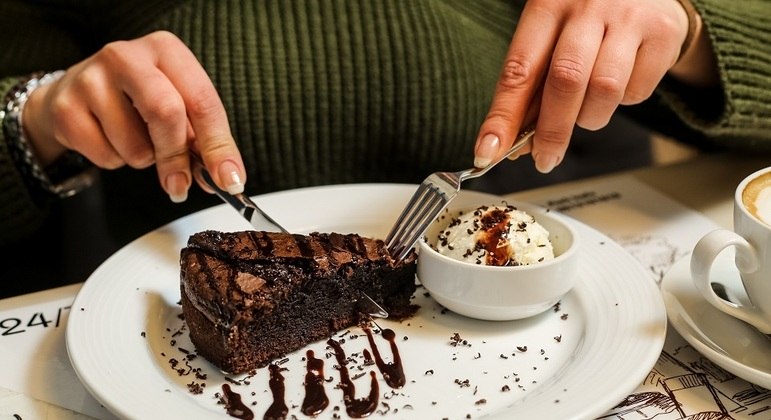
(139, 102)
(574, 62)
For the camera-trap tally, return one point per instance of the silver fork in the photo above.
(433, 196)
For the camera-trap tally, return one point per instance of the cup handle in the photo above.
(704, 254)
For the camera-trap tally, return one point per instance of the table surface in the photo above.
(705, 184)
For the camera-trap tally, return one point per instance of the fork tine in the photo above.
(432, 196)
(407, 213)
(408, 217)
(432, 200)
(418, 229)
(431, 204)
(417, 214)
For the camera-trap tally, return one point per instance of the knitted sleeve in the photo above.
(50, 48)
(330, 92)
(19, 212)
(737, 115)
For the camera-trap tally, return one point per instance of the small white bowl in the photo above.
(501, 293)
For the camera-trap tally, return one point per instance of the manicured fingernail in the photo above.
(545, 162)
(486, 150)
(229, 174)
(176, 185)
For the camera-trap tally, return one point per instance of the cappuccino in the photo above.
(757, 197)
(751, 241)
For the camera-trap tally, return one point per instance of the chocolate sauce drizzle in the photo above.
(368, 358)
(315, 397)
(495, 225)
(277, 410)
(316, 400)
(233, 404)
(392, 372)
(304, 245)
(356, 408)
(262, 242)
(356, 245)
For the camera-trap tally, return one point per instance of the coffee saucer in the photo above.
(728, 342)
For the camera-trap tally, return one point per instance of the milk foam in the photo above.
(763, 206)
(757, 198)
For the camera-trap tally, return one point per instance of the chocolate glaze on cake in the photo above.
(250, 297)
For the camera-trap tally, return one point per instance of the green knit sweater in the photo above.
(340, 91)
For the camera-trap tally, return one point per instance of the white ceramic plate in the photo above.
(732, 344)
(575, 361)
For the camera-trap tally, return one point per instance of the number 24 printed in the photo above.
(10, 326)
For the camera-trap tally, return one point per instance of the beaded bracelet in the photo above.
(65, 177)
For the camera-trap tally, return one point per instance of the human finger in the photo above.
(659, 50)
(609, 78)
(155, 98)
(521, 76)
(651, 64)
(170, 90)
(119, 121)
(206, 115)
(530, 118)
(75, 127)
(564, 90)
(163, 111)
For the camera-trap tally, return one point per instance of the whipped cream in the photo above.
(495, 235)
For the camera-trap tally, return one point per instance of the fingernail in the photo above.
(545, 162)
(487, 149)
(229, 174)
(176, 185)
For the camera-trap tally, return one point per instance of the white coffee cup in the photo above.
(751, 238)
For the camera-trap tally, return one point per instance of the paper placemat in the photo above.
(34, 354)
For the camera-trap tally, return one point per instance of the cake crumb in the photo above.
(456, 340)
(196, 388)
(463, 384)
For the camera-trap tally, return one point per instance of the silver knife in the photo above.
(254, 214)
(241, 202)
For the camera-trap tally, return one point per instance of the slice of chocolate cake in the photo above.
(251, 297)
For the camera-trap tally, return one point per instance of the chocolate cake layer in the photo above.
(250, 297)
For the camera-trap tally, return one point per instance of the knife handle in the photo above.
(241, 202)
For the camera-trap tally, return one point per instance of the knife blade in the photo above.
(258, 218)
